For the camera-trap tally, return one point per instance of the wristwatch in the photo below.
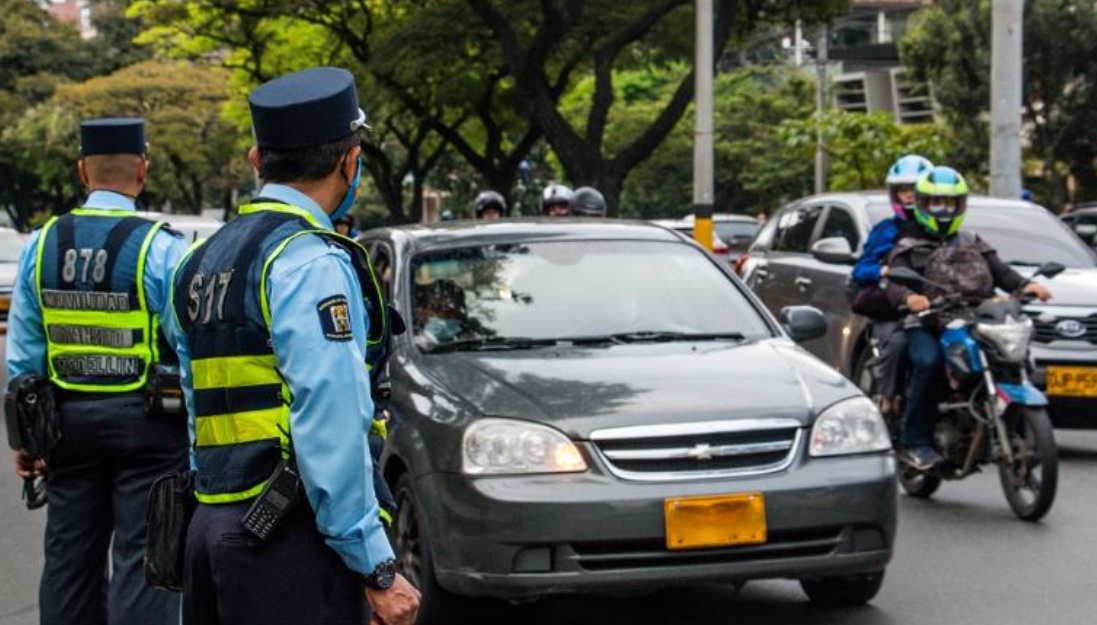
(383, 576)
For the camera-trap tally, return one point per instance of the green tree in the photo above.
(195, 154)
(949, 44)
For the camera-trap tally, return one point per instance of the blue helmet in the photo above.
(905, 171)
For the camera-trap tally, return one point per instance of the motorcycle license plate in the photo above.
(1072, 381)
(697, 522)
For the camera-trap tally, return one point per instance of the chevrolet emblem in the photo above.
(701, 451)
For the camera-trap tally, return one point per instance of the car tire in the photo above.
(843, 592)
(414, 560)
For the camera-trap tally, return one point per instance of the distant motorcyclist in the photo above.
(869, 299)
(490, 205)
(556, 200)
(962, 264)
(588, 202)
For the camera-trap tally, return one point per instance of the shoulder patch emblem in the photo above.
(335, 318)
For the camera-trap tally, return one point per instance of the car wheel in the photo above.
(843, 592)
(413, 559)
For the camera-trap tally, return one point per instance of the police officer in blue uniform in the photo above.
(273, 334)
(89, 296)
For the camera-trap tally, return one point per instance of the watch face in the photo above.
(384, 576)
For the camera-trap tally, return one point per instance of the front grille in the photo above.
(620, 555)
(699, 450)
(1046, 330)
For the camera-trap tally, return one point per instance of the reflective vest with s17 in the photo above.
(89, 276)
(241, 401)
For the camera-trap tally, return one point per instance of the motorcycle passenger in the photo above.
(555, 200)
(870, 300)
(960, 263)
(588, 202)
(490, 205)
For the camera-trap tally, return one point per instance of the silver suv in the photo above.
(805, 253)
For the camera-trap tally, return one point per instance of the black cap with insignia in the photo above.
(306, 109)
(113, 135)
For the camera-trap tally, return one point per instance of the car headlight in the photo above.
(511, 447)
(853, 426)
(1010, 338)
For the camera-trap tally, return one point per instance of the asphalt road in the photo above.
(961, 558)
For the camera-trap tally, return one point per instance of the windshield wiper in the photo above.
(482, 343)
(656, 336)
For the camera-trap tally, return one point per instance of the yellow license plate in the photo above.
(695, 522)
(1072, 381)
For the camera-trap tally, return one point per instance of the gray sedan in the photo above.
(586, 406)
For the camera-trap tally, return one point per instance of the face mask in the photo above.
(443, 330)
(352, 192)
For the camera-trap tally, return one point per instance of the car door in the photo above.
(824, 285)
(779, 266)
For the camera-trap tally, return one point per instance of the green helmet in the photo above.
(941, 201)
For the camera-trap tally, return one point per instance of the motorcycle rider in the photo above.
(588, 202)
(555, 200)
(957, 263)
(490, 205)
(887, 331)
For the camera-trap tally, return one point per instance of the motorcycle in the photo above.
(990, 411)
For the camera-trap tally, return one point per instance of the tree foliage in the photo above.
(949, 43)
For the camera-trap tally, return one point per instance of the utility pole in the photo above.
(1006, 67)
(703, 170)
(821, 61)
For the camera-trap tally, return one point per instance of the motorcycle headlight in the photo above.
(1009, 338)
(512, 447)
(853, 426)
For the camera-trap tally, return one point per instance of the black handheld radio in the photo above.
(272, 504)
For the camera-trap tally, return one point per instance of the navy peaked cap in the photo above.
(113, 135)
(306, 109)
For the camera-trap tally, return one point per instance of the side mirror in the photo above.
(803, 323)
(834, 251)
(1087, 232)
(1050, 270)
(906, 277)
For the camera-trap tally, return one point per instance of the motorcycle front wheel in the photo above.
(1031, 479)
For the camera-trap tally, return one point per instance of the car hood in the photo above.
(1073, 287)
(579, 390)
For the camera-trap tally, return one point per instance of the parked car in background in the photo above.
(804, 256)
(1083, 221)
(598, 406)
(193, 227)
(736, 231)
(685, 227)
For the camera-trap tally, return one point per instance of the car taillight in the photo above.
(740, 263)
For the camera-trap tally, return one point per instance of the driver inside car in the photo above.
(957, 263)
(440, 312)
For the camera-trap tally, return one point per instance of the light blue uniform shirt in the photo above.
(332, 409)
(26, 334)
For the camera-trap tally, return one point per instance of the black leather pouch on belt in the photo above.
(170, 508)
(164, 392)
(31, 416)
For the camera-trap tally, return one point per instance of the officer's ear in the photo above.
(82, 171)
(350, 162)
(253, 158)
(143, 171)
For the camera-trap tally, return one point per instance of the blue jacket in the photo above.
(880, 242)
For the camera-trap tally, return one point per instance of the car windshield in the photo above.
(576, 290)
(1021, 235)
(11, 246)
(739, 232)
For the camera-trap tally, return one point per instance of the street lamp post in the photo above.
(703, 170)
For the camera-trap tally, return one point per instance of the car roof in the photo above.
(466, 232)
(864, 198)
(178, 218)
(1082, 210)
(724, 217)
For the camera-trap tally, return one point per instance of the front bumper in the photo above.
(529, 536)
(1066, 412)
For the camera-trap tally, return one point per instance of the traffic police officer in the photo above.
(272, 332)
(91, 288)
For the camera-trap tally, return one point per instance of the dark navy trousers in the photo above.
(292, 578)
(98, 478)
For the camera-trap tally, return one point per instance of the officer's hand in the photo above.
(398, 605)
(917, 303)
(26, 467)
(1040, 291)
